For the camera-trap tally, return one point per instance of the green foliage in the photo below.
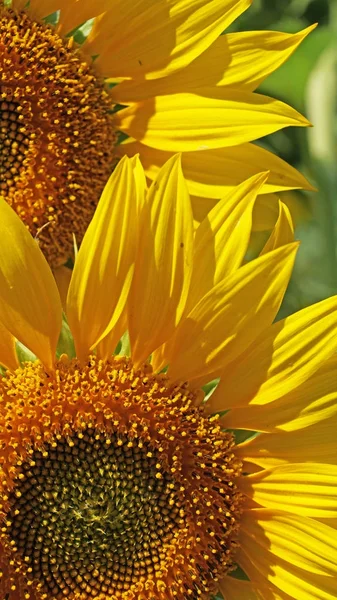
(66, 342)
(307, 81)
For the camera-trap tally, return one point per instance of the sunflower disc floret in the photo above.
(56, 132)
(116, 485)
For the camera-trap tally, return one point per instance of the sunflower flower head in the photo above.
(170, 72)
(119, 479)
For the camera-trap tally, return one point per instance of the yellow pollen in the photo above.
(92, 507)
(56, 134)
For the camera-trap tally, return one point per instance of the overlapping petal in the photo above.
(283, 231)
(282, 357)
(295, 553)
(307, 489)
(279, 580)
(222, 239)
(238, 60)
(38, 9)
(314, 444)
(164, 264)
(19, 4)
(227, 319)
(104, 266)
(76, 12)
(211, 173)
(308, 404)
(30, 306)
(234, 589)
(189, 122)
(146, 40)
(72, 12)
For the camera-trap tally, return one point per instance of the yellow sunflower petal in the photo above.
(266, 212)
(30, 306)
(314, 444)
(283, 232)
(77, 12)
(38, 9)
(266, 209)
(253, 55)
(309, 403)
(308, 489)
(282, 358)
(62, 277)
(19, 4)
(186, 122)
(8, 357)
(291, 550)
(108, 344)
(230, 316)
(235, 589)
(212, 173)
(240, 60)
(277, 580)
(220, 245)
(163, 269)
(104, 266)
(269, 592)
(222, 239)
(140, 180)
(142, 38)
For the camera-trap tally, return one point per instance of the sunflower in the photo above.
(119, 478)
(181, 86)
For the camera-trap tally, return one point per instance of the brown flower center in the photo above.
(56, 134)
(115, 485)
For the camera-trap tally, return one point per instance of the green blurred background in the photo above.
(308, 82)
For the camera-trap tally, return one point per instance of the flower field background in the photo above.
(308, 82)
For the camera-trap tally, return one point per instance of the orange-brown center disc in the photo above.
(114, 485)
(56, 134)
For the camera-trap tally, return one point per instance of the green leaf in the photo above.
(24, 355)
(66, 342)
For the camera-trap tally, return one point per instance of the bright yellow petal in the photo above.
(292, 539)
(77, 12)
(8, 357)
(187, 122)
(313, 401)
(222, 239)
(104, 266)
(239, 60)
(147, 40)
(140, 179)
(30, 306)
(230, 317)
(253, 55)
(276, 579)
(212, 173)
(313, 444)
(308, 489)
(164, 265)
(220, 245)
(282, 358)
(283, 232)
